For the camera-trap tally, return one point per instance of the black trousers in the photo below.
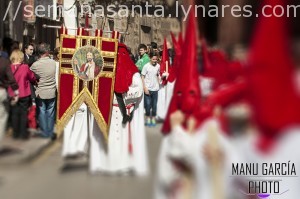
(19, 118)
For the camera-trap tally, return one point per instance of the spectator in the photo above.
(45, 92)
(154, 47)
(144, 58)
(15, 46)
(6, 80)
(150, 77)
(29, 58)
(149, 49)
(19, 111)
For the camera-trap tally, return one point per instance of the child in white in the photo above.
(150, 77)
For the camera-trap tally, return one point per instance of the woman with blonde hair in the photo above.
(19, 110)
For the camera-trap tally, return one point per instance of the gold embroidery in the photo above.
(85, 96)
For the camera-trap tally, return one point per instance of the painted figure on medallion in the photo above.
(87, 62)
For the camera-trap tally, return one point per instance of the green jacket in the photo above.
(142, 62)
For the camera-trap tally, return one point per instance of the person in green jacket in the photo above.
(143, 58)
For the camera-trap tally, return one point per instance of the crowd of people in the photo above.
(28, 83)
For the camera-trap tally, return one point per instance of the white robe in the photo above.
(119, 158)
(114, 156)
(285, 150)
(188, 148)
(165, 94)
(76, 133)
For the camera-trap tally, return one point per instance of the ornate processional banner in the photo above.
(86, 75)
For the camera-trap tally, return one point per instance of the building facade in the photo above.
(141, 27)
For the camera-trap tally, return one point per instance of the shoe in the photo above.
(54, 137)
(148, 122)
(41, 135)
(153, 122)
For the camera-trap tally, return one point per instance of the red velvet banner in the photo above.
(66, 93)
(96, 93)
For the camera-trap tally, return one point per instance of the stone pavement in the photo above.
(49, 176)
(14, 152)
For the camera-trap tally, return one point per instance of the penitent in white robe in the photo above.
(119, 157)
(114, 156)
(165, 94)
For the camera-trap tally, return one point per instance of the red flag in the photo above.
(165, 62)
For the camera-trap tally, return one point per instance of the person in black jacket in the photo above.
(28, 51)
(29, 59)
(6, 80)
